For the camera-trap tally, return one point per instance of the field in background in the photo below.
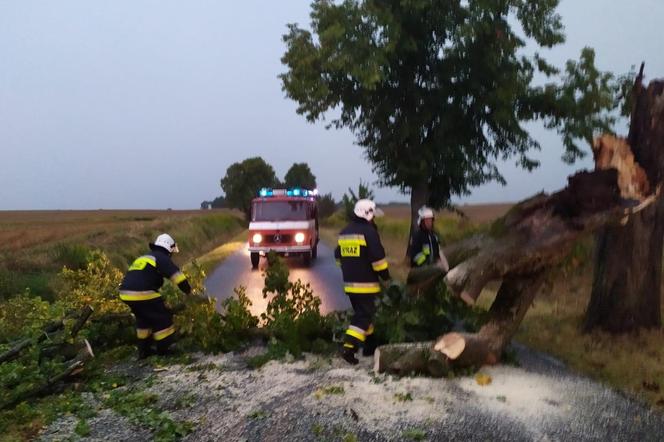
(632, 363)
(37, 244)
(476, 213)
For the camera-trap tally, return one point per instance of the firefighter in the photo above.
(140, 291)
(362, 259)
(424, 245)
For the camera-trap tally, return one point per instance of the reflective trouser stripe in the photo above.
(420, 258)
(370, 330)
(356, 332)
(163, 334)
(362, 287)
(138, 296)
(143, 333)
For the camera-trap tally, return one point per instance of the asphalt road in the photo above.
(323, 275)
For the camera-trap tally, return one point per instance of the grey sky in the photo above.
(144, 104)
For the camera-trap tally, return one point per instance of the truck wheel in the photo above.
(306, 259)
(314, 252)
(255, 259)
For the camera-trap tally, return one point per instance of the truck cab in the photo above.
(284, 221)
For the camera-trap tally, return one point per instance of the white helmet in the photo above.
(424, 213)
(166, 241)
(367, 209)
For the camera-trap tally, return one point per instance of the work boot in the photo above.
(165, 347)
(145, 348)
(369, 346)
(348, 354)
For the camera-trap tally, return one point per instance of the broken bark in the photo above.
(626, 293)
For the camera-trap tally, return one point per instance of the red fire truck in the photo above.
(284, 221)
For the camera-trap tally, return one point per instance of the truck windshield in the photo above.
(279, 211)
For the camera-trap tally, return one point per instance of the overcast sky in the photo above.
(144, 104)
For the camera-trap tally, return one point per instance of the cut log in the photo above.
(451, 345)
(399, 358)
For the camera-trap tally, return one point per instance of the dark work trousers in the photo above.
(361, 324)
(153, 319)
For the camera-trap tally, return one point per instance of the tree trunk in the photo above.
(419, 195)
(626, 293)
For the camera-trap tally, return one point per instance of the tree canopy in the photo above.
(243, 181)
(437, 92)
(299, 175)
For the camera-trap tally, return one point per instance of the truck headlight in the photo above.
(299, 237)
(257, 238)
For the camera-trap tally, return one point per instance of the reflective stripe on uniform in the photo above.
(163, 334)
(379, 265)
(129, 295)
(356, 332)
(142, 261)
(349, 245)
(426, 249)
(420, 258)
(362, 287)
(143, 333)
(352, 240)
(178, 277)
(370, 330)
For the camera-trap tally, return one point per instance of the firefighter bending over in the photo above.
(424, 246)
(140, 291)
(362, 259)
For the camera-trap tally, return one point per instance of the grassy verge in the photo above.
(217, 255)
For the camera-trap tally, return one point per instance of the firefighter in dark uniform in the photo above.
(140, 291)
(424, 246)
(362, 259)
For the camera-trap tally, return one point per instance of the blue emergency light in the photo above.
(265, 192)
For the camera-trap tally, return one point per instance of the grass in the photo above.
(211, 259)
(632, 363)
(37, 244)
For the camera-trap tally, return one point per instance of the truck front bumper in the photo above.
(280, 249)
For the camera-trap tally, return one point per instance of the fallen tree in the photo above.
(533, 237)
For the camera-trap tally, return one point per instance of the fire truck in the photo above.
(284, 221)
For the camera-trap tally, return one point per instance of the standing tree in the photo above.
(243, 181)
(348, 201)
(437, 91)
(299, 175)
(326, 206)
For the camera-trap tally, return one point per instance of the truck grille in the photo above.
(279, 239)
